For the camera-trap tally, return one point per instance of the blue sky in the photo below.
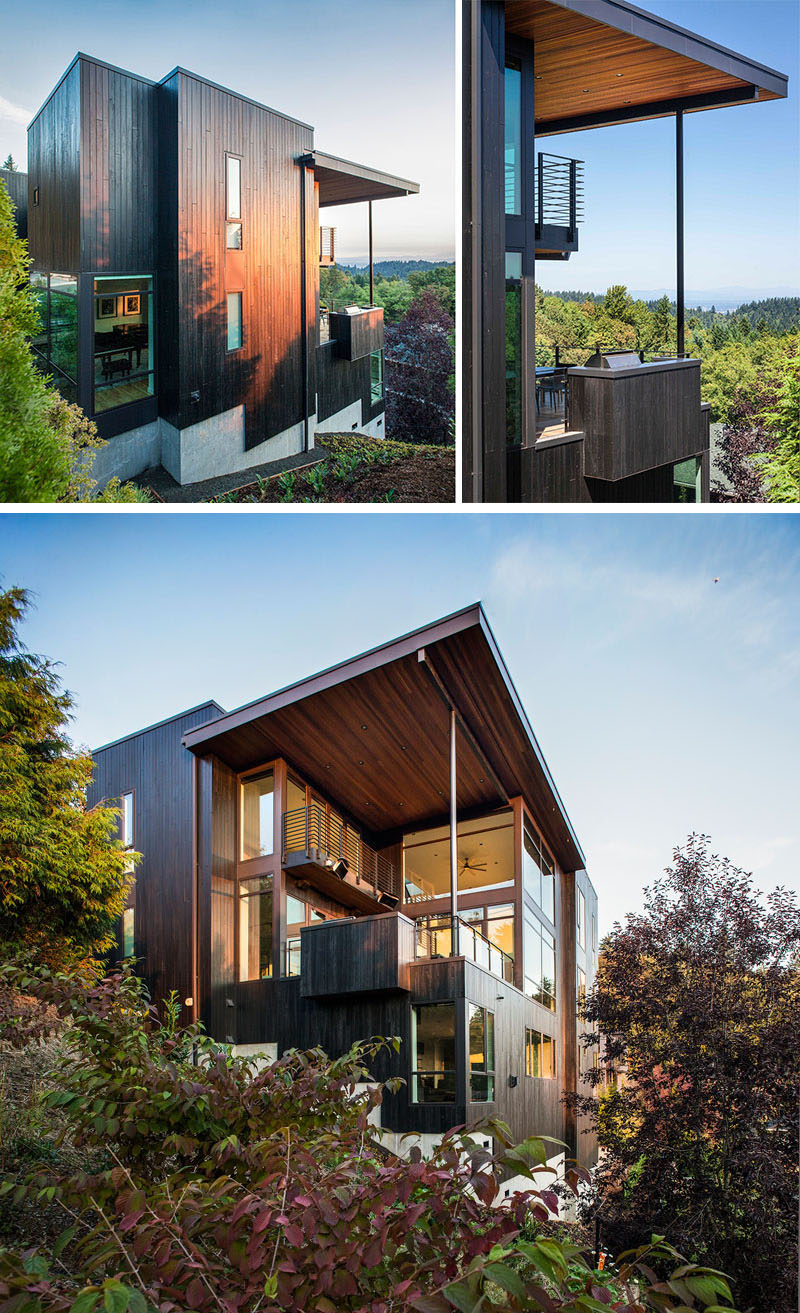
(295, 56)
(742, 177)
(665, 703)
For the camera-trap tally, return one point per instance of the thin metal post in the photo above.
(371, 274)
(540, 188)
(453, 839)
(680, 294)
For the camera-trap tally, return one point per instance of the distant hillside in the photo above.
(397, 268)
(781, 314)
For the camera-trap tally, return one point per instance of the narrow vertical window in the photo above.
(257, 826)
(481, 1054)
(234, 321)
(255, 928)
(375, 376)
(513, 141)
(433, 1053)
(233, 203)
(580, 918)
(127, 932)
(126, 820)
(514, 362)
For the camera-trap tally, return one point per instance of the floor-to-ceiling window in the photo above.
(514, 362)
(485, 849)
(56, 342)
(124, 368)
(433, 1053)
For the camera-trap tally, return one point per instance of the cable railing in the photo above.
(558, 199)
(434, 938)
(319, 830)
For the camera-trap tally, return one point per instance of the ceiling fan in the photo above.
(468, 865)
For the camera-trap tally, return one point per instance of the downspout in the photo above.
(371, 272)
(453, 838)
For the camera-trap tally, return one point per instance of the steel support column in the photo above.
(371, 273)
(680, 291)
(453, 838)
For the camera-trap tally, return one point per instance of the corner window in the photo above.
(687, 480)
(538, 872)
(234, 321)
(433, 1053)
(255, 928)
(485, 857)
(539, 957)
(481, 1054)
(257, 823)
(580, 918)
(513, 140)
(540, 1055)
(124, 368)
(375, 376)
(127, 932)
(56, 342)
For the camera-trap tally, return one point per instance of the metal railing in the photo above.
(434, 939)
(319, 829)
(558, 198)
(327, 246)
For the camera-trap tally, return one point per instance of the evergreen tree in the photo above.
(9, 163)
(63, 874)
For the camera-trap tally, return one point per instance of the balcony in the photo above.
(319, 846)
(434, 940)
(368, 954)
(558, 206)
(357, 331)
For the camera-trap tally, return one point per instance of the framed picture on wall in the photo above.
(133, 304)
(106, 307)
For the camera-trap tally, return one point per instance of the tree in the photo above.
(419, 367)
(780, 468)
(63, 875)
(618, 304)
(46, 444)
(9, 163)
(698, 1000)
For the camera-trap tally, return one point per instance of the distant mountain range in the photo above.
(724, 298)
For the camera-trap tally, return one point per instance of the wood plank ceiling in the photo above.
(585, 67)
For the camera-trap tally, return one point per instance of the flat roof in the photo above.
(373, 732)
(600, 62)
(341, 182)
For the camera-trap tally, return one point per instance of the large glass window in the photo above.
(433, 1053)
(485, 850)
(539, 957)
(375, 376)
(540, 1054)
(538, 872)
(513, 140)
(298, 914)
(255, 928)
(481, 1054)
(687, 480)
(56, 342)
(257, 825)
(234, 321)
(123, 341)
(514, 362)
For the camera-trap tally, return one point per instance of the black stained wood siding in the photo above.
(118, 158)
(357, 957)
(357, 335)
(54, 225)
(167, 316)
(637, 422)
(17, 187)
(159, 771)
(341, 382)
(653, 486)
(266, 374)
(553, 472)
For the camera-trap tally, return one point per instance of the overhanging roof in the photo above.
(342, 183)
(373, 733)
(599, 62)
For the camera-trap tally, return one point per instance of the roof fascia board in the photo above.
(158, 724)
(100, 63)
(217, 86)
(609, 118)
(350, 169)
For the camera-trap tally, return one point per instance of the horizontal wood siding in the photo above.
(54, 225)
(266, 374)
(158, 770)
(118, 171)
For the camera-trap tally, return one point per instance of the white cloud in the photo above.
(14, 113)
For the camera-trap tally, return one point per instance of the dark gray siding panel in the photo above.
(54, 225)
(167, 252)
(341, 382)
(17, 188)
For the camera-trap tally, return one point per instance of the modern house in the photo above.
(175, 233)
(16, 184)
(615, 427)
(379, 849)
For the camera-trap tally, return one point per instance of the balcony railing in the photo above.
(558, 200)
(318, 829)
(434, 939)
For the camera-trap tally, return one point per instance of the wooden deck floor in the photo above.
(549, 421)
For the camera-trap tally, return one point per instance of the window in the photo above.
(538, 872)
(255, 928)
(126, 820)
(56, 342)
(433, 1053)
(580, 918)
(375, 376)
(298, 914)
(687, 484)
(514, 362)
(481, 1054)
(513, 140)
(485, 857)
(36, 195)
(256, 819)
(539, 958)
(234, 321)
(124, 368)
(580, 988)
(594, 931)
(233, 203)
(127, 932)
(540, 1055)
